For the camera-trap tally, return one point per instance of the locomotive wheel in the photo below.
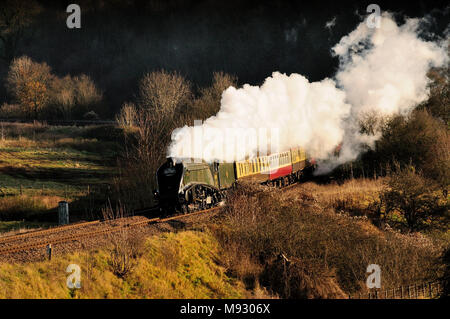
(202, 196)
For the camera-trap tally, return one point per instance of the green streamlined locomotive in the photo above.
(189, 185)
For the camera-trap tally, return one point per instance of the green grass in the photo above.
(59, 172)
(40, 163)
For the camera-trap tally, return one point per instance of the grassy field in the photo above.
(41, 165)
(236, 255)
(175, 265)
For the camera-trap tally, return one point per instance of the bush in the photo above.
(326, 253)
(163, 92)
(125, 250)
(412, 195)
(419, 139)
(41, 94)
(91, 116)
(73, 97)
(127, 116)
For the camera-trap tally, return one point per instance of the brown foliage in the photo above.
(72, 97)
(208, 103)
(126, 246)
(420, 140)
(43, 95)
(125, 250)
(328, 252)
(163, 92)
(412, 195)
(29, 82)
(439, 100)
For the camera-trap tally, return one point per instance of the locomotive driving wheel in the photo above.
(201, 196)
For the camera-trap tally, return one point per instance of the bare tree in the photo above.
(208, 103)
(29, 83)
(162, 96)
(163, 92)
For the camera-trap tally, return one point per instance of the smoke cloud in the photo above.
(382, 70)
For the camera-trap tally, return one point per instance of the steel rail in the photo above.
(113, 229)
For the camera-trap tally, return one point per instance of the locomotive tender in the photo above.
(189, 185)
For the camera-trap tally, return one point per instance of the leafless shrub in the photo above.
(163, 92)
(331, 251)
(109, 213)
(72, 97)
(127, 116)
(126, 248)
(294, 278)
(208, 103)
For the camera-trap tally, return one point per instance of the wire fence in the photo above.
(424, 290)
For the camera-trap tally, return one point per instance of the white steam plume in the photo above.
(381, 70)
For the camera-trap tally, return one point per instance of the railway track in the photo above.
(74, 232)
(37, 233)
(10, 247)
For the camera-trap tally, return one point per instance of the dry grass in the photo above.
(362, 191)
(174, 265)
(329, 252)
(41, 164)
(25, 205)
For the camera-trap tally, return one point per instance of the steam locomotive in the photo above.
(189, 185)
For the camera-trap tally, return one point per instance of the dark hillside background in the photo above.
(121, 40)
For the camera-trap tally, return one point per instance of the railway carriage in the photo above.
(190, 185)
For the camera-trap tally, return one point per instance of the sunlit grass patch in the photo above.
(15, 227)
(22, 206)
(176, 265)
